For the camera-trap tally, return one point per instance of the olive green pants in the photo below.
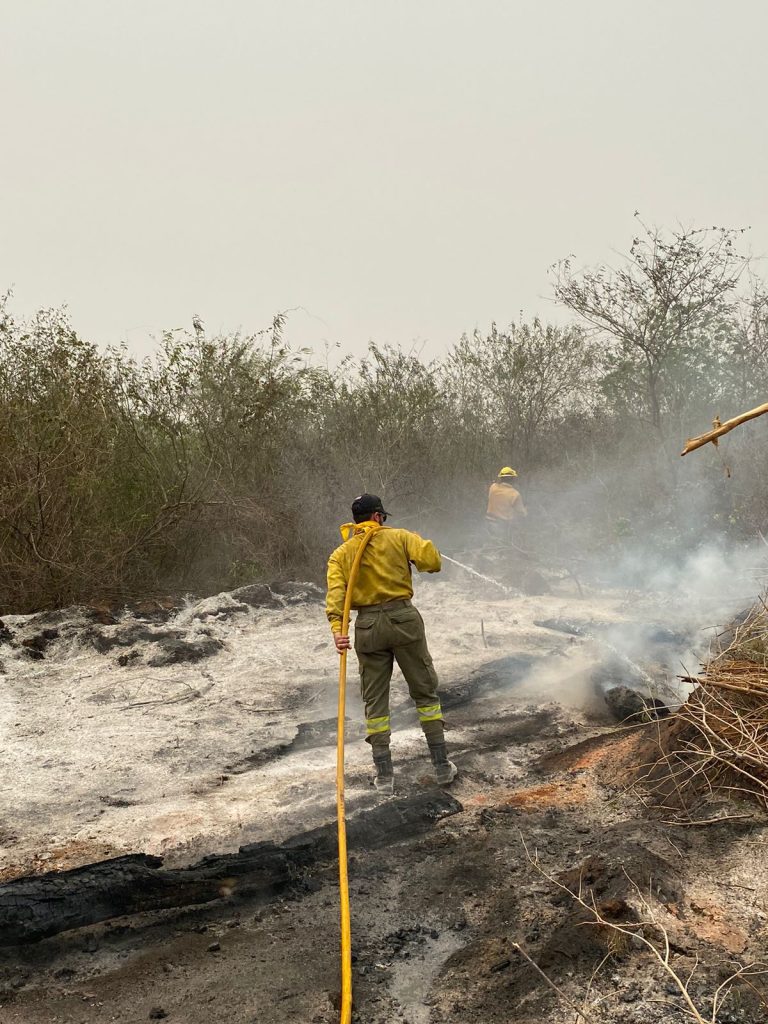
(386, 633)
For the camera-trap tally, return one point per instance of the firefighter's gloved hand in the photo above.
(342, 642)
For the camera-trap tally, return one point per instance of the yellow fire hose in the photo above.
(346, 932)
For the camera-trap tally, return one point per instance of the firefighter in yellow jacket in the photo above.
(388, 628)
(505, 505)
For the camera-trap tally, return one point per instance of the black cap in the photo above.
(367, 504)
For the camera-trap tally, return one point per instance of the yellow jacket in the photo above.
(504, 502)
(385, 569)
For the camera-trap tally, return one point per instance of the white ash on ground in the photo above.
(189, 759)
(105, 751)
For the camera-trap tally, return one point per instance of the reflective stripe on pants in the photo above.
(377, 725)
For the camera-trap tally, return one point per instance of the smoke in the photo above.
(568, 679)
(667, 554)
(678, 616)
(715, 578)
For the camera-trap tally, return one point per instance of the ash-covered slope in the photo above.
(184, 731)
(107, 753)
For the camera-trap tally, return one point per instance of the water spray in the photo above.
(649, 682)
(510, 591)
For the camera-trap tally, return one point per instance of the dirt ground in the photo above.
(445, 922)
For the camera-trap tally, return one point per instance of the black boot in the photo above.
(385, 777)
(445, 770)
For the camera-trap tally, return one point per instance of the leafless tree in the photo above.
(670, 286)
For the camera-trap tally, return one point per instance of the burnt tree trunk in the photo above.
(37, 907)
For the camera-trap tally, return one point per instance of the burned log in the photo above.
(38, 907)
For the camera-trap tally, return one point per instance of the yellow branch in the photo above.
(722, 428)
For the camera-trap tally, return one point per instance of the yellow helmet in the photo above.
(507, 471)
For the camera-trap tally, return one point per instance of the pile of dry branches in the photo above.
(718, 741)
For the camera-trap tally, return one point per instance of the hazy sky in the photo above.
(403, 170)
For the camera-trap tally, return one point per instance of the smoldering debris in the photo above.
(627, 705)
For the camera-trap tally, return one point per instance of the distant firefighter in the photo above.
(505, 505)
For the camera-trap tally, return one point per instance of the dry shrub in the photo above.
(229, 459)
(718, 740)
